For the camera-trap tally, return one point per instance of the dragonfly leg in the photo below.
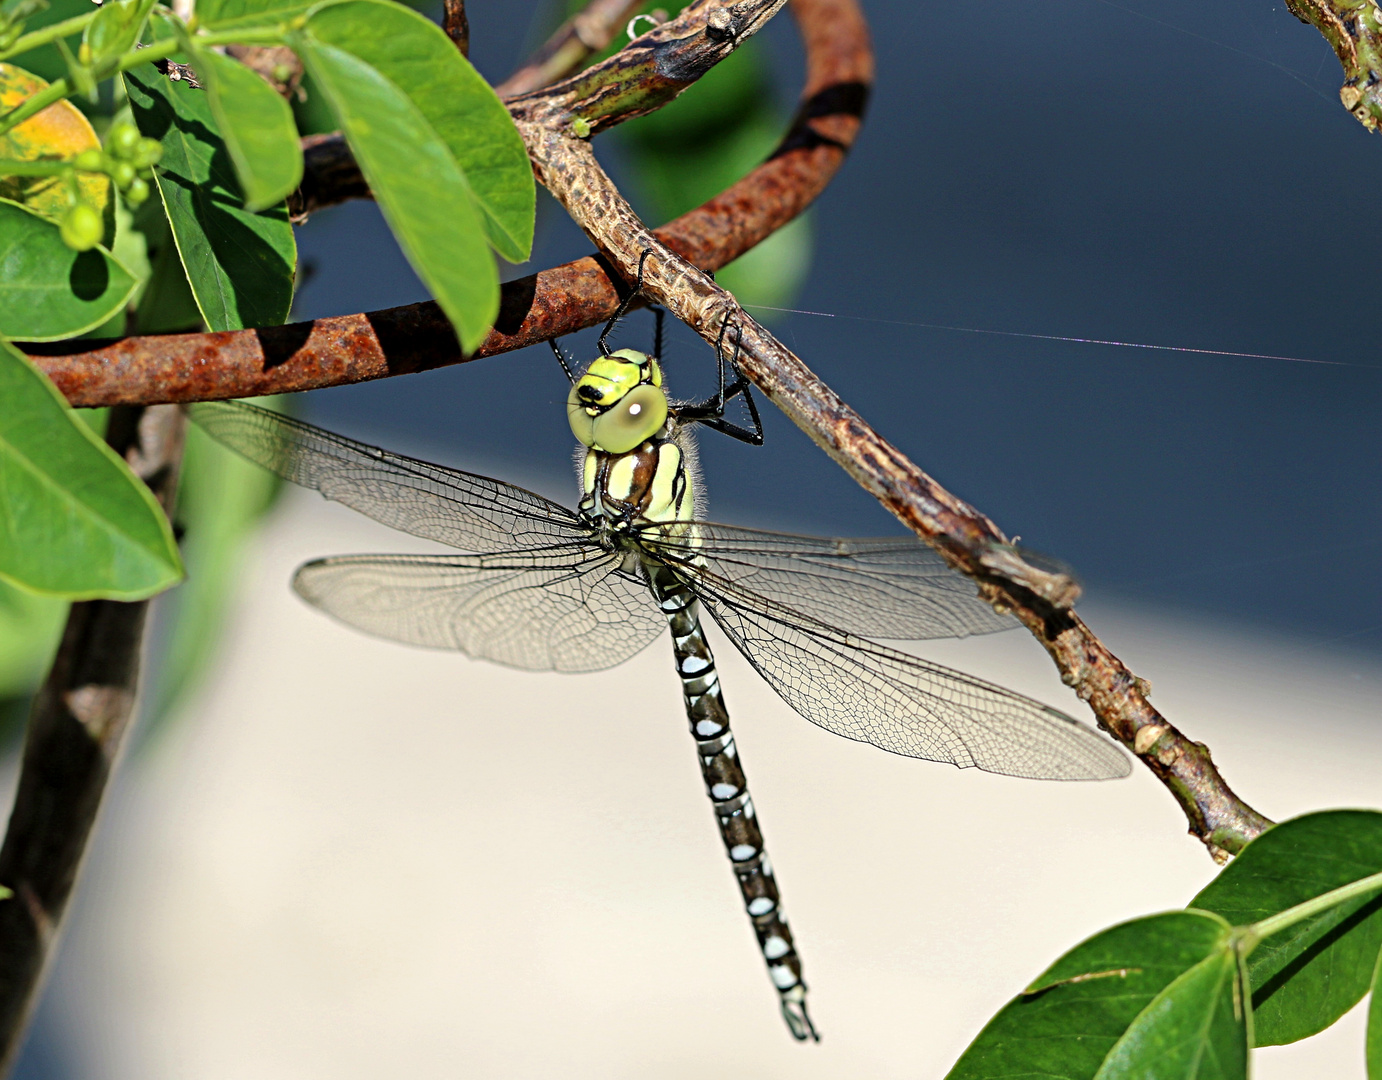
(711, 411)
(729, 796)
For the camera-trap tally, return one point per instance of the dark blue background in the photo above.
(1170, 172)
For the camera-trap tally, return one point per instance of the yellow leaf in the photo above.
(59, 131)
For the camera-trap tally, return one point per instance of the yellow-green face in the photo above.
(618, 402)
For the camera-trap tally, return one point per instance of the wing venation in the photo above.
(568, 611)
(460, 509)
(902, 703)
(892, 587)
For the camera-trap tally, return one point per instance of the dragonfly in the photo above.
(541, 587)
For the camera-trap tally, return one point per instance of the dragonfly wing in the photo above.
(470, 512)
(568, 610)
(894, 587)
(902, 703)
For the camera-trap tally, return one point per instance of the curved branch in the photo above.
(562, 300)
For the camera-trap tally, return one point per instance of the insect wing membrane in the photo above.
(890, 587)
(902, 703)
(473, 513)
(566, 610)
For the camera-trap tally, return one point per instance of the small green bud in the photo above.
(123, 174)
(84, 58)
(81, 227)
(148, 153)
(282, 73)
(90, 161)
(137, 193)
(123, 140)
(580, 127)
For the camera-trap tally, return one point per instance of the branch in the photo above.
(567, 298)
(650, 71)
(74, 735)
(582, 35)
(456, 25)
(1353, 29)
(1040, 598)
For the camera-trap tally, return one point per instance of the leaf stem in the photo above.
(61, 88)
(1250, 936)
(34, 168)
(46, 34)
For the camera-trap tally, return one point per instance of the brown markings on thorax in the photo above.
(636, 502)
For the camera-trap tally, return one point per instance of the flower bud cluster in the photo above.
(128, 159)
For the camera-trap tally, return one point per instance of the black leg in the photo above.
(658, 314)
(624, 303)
(711, 412)
(561, 359)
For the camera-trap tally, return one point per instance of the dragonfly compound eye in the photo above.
(637, 416)
(581, 416)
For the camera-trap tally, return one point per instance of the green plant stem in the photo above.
(35, 38)
(61, 88)
(1250, 936)
(54, 91)
(33, 168)
(159, 50)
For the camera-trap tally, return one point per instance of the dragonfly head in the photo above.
(618, 402)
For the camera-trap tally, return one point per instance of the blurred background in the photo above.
(331, 856)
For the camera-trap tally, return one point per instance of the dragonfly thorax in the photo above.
(647, 485)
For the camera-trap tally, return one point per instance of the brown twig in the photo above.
(969, 541)
(1353, 29)
(277, 65)
(456, 25)
(73, 738)
(649, 72)
(584, 34)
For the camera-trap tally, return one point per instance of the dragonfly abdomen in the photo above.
(727, 788)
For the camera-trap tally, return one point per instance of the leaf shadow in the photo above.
(89, 277)
(1279, 980)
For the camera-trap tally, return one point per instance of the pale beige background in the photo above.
(354, 859)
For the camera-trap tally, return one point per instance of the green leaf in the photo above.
(47, 290)
(115, 29)
(1307, 976)
(257, 126)
(1064, 1025)
(1195, 1029)
(1374, 1041)
(224, 14)
(414, 54)
(416, 182)
(76, 522)
(29, 629)
(240, 265)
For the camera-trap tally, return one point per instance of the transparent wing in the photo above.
(890, 587)
(569, 610)
(473, 513)
(902, 703)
